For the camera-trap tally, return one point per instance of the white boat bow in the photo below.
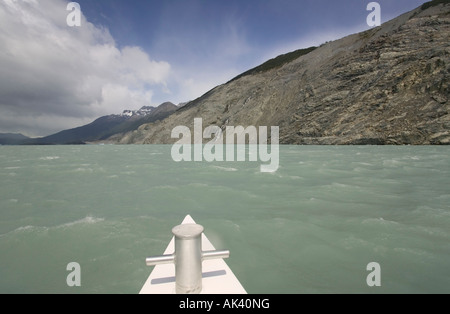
(217, 277)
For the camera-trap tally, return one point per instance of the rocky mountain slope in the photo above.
(388, 85)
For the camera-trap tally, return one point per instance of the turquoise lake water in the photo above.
(311, 227)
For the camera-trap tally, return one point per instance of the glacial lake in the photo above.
(312, 226)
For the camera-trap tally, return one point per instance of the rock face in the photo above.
(388, 85)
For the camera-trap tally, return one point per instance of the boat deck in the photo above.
(217, 276)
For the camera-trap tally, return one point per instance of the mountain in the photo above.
(107, 126)
(11, 138)
(387, 85)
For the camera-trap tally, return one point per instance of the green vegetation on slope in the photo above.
(276, 62)
(433, 3)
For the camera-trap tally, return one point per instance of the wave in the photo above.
(87, 220)
(89, 170)
(25, 228)
(379, 221)
(49, 158)
(169, 187)
(225, 168)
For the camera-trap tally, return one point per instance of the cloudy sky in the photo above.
(128, 54)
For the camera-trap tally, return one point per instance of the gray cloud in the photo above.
(55, 77)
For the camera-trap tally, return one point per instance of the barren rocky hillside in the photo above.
(388, 85)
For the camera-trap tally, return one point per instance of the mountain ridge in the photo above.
(386, 85)
(105, 126)
(11, 138)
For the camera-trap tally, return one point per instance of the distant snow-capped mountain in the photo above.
(146, 110)
(107, 126)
